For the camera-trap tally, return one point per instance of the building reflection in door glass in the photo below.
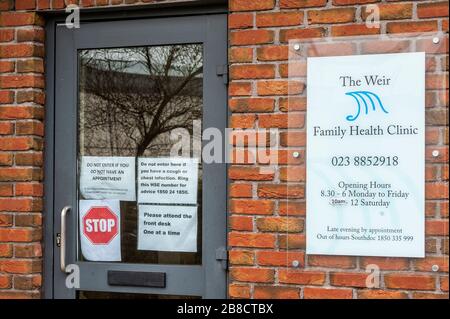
(130, 100)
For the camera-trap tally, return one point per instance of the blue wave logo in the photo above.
(364, 98)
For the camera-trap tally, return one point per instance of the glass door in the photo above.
(136, 209)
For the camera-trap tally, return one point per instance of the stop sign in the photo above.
(100, 225)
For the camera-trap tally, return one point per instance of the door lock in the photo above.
(58, 240)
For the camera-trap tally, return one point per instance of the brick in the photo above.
(240, 55)
(427, 263)
(241, 223)
(7, 66)
(344, 262)
(21, 112)
(21, 50)
(8, 294)
(385, 263)
(280, 224)
(252, 207)
(31, 250)
(19, 174)
(293, 34)
(251, 37)
(350, 2)
(331, 16)
(29, 159)
(6, 35)
(276, 292)
(291, 120)
(436, 190)
(240, 20)
(279, 87)
(331, 49)
(19, 143)
(293, 174)
(6, 128)
(19, 235)
(292, 4)
(245, 5)
(28, 220)
(12, 19)
(253, 240)
(249, 174)
(6, 159)
(5, 281)
(239, 291)
(436, 117)
(252, 105)
(443, 282)
(21, 81)
(25, 4)
(292, 208)
(6, 220)
(23, 282)
(256, 71)
(381, 294)
(436, 227)
(240, 190)
(16, 266)
(293, 138)
(292, 241)
(411, 282)
(242, 121)
(20, 204)
(30, 96)
(30, 128)
(348, 279)
(408, 27)
(273, 53)
(326, 293)
(292, 104)
(31, 35)
(252, 274)
(239, 89)
(5, 250)
(6, 190)
(278, 19)
(315, 278)
(279, 258)
(240, 257)
(429, 295)
(352, 30)
(390, 11)
(30, 66)
(6, 97)
(432, 10)
(281, 191)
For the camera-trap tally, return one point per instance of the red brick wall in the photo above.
(259, 31)
(259, 34)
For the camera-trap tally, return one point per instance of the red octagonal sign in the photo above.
(100, 225)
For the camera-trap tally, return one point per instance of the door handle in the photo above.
(64, 212)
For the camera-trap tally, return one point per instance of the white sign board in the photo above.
(167, 228)
(108, 178)
(100, 230)
(365, 155)
(167, 180)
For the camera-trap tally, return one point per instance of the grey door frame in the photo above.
(207, 280)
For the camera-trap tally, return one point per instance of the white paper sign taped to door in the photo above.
(167, 228)
(104, 177)
(167, 180)
(100, 230)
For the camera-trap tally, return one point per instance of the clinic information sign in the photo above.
(365, 155)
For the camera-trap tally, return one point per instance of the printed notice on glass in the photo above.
(167, 228)
(365, 155)
(100, 230)
(167, 180)
(104, 177)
